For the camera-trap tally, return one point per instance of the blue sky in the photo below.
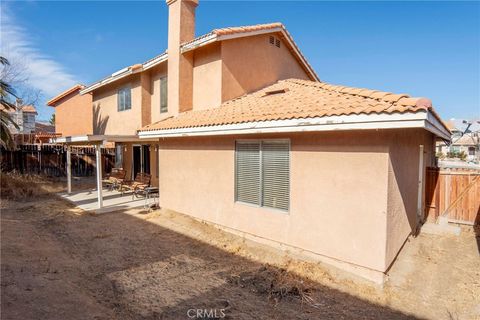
(429, 49)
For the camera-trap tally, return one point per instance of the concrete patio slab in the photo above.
(112, 200)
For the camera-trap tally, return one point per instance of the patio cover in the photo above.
(97, 141)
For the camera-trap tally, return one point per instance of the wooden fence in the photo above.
(51, 160)
(454, 194)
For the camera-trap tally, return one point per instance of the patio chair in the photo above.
(137, 186)
(115, 178)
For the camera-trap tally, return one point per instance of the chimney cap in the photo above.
(169, 2)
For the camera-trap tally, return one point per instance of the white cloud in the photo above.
(42, 71)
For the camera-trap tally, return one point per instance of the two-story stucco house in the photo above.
(73, 112)
(237, 130)
(24, 117)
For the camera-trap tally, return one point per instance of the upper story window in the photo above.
(163, 95)
(262, 173)
(124, 99)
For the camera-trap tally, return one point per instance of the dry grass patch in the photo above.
(21, 187)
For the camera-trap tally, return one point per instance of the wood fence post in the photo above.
(448, 180)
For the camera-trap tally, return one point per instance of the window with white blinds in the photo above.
(262, 173)
(248, 172)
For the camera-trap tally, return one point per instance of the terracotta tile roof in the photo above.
(229, 31)
(236, 30)
(451, 125)
(466, 140)
(24, 108)
(256, 27)
(297, 99)
(65, 93)
(29, 108)
(44, 128)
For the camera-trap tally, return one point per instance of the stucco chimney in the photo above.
(181, 28)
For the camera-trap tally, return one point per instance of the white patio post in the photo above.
(98, 156)
(69, 170)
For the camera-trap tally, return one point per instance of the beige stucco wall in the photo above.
(145, 102)
(220, 71)
(338, 192)
(353, 193)
(207, 77)
(252, 63)
(73, 115)
(403, 184)
(109, 119)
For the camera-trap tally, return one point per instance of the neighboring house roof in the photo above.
(213, 36)
(65, 93)
(451, 125)
(296, 99)
(25, 108)
(29, 109)
(465, 140)
(461, 125)
(44, 128)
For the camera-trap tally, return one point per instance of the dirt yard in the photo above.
(58, 262)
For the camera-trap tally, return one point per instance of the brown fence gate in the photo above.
(453, 193)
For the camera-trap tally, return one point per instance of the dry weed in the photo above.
(15, 186)
(276, 283)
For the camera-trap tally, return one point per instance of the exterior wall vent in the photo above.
(272, 92)
(274, 41)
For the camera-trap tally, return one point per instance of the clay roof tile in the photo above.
(379, 95)
(297, 99)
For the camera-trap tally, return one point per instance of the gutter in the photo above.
(422, 119)
(126, 72)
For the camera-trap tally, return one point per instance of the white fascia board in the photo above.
(86, 139)
(155, 61)
(119, 72)
(71, 139)
(249, 33)
(199, 43)
(436, 127)
(114, 77)
(350, 122)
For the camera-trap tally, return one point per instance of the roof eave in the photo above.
(54, 100)
(115, 76)
(419, 119)
(124, 73)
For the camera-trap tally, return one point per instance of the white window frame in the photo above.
(161, 95)
(261, 141)
(121, 108)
